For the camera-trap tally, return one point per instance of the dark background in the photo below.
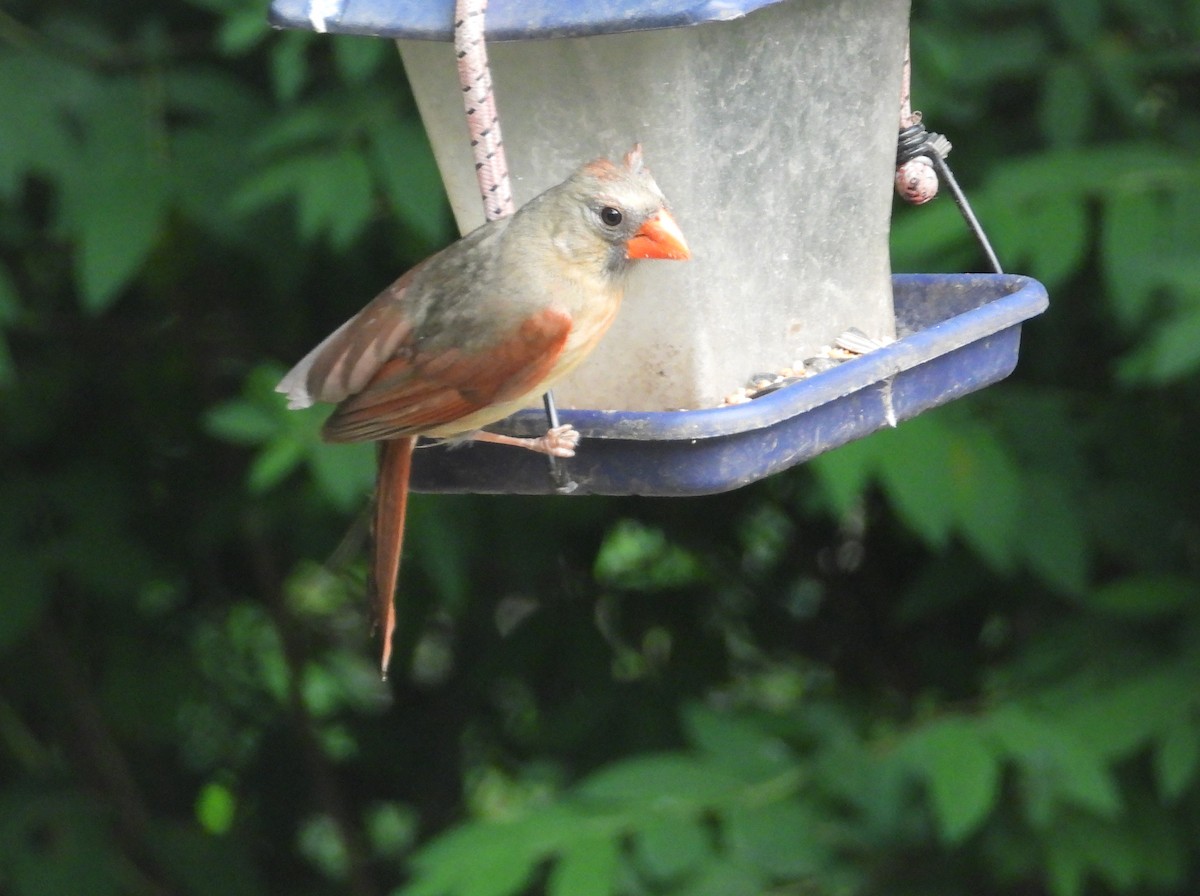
(957, 657)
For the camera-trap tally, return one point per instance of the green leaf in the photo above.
(242, 422)
(987, 492)
(637, 557)
(215, 808)
(1131, 234)
(670, 847)
(34, 89)
(736, 743)
(289, 63)
(779, 838)
(1051, 535)
(1146, 595)
(1056, 766)
(491, 858)
(274, 463)
(442, 545)
(116, 201)
(915, 471)
(587, 867)
(1177, 757)
(332, 190)
(725, 877)
(961, 770)
(1067, 104)
(1171, 351)
(242, 30)
(662, 782)
(404, 164)
(1056, 237)
(932, 237)
(357, 58)
(845, 473)
(345, 474)
(1080, 20)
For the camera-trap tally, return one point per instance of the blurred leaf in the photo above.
(1056, 766)
(587, 867)
(274, 463)
(215, 808)
(405, 166)
(736, 744)
(932, 237)
(1067, 108)
(57, 842)
(1145, 596)
(636, 557)
(116, 202)
(961, 771)
(1056, 236)
(1177, 758)
(670, 848)
(1132, 234)
(34, 88)
(345, 473)
(1052, 533)
(724, 877)
(357, 58)
(1080, 20)
(242, 422)
(443, 544)
(289, 63)
(320, 840)
(489, 859)
(392, 828)
(916, 472)
(664, 782)
(244, 29)
(332, 191)
(1170, 351)
(779, 839)
(987, 492)
(845, 473)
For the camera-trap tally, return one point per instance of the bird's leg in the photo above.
(557, 442)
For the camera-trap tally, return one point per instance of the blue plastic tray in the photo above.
(506, 19)
(958, 333)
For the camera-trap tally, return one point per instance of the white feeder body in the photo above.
(774, 138)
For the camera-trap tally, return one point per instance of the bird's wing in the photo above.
(418, 390)
(351, 355)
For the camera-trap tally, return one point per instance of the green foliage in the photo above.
(958, 656)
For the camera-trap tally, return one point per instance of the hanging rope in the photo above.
(483, 121)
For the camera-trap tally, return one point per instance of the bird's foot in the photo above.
(561, 441)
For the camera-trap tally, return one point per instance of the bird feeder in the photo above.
(771, 126)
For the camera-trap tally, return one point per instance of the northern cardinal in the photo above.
(479, 330)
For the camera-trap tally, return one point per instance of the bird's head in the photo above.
(618, 214)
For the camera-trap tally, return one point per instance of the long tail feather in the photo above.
(391, 500)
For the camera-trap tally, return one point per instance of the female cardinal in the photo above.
(479, 330)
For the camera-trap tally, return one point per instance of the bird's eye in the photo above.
(610, 216)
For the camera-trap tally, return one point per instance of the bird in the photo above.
(478, 331)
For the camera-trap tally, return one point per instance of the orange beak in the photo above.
(658, 237)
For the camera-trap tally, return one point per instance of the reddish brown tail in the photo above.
(391, 499)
